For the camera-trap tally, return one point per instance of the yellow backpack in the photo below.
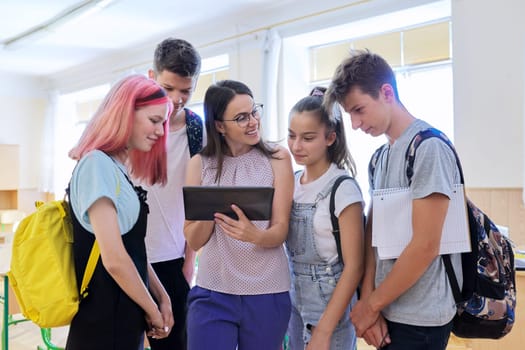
(42, 271)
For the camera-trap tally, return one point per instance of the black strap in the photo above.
(452, 278)
(410, 157)
(333, 218)
(373, 164)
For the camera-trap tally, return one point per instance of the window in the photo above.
(73, 112)
(416, 43)
(213, 69)
(402, 48)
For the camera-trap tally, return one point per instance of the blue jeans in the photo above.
(313, 286)
(222, 321)
(408, 337)
(313, 280)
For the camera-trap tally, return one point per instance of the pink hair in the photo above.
(110, 128)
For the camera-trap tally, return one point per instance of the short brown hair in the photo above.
(364, 70)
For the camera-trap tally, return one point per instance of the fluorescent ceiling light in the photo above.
(72, 13)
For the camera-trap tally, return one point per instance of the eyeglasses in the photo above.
(243, 119)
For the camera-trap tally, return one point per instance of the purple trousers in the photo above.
(222, 321)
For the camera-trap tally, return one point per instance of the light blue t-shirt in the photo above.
(95, 176)
(429, 302)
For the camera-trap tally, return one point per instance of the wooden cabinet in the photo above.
(9, 159)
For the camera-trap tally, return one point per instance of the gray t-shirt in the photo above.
(429, 302)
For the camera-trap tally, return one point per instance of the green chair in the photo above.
(46, 337)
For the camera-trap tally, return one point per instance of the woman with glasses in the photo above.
(241, 297)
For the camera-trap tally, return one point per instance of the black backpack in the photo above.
(333, 218)
(486, 304)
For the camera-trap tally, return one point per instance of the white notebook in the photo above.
(392, 222)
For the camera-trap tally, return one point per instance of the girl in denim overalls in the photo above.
(323, 289)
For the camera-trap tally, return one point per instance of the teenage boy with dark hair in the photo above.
(406, 303)
(176, 68)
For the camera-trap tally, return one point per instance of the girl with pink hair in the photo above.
(126, 138)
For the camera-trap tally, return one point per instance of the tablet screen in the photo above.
(202, 202)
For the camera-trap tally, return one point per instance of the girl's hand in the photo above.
(319, 340)
(167, 316)
(156, 327)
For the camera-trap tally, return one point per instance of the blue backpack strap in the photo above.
(410, 158)
(194, 130)
(333, 218)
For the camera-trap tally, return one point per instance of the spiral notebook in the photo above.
(392, 222)
(202, 202)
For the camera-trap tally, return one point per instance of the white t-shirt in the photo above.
(165, 237)
(347, 194)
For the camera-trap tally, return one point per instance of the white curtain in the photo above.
(271, 52)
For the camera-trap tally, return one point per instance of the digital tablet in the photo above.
(202, 202)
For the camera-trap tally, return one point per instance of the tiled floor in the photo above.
(26, 336)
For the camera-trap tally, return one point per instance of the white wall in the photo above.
(489, 71)
(23, 102)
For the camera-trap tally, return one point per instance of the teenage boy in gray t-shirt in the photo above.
(406, 303)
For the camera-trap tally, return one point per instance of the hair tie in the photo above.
(157, 95)
(336, 113)
(317, 92)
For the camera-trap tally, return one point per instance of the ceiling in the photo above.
(67, 33)
(52, 38)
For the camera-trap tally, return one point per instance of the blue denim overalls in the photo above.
(313, 280)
